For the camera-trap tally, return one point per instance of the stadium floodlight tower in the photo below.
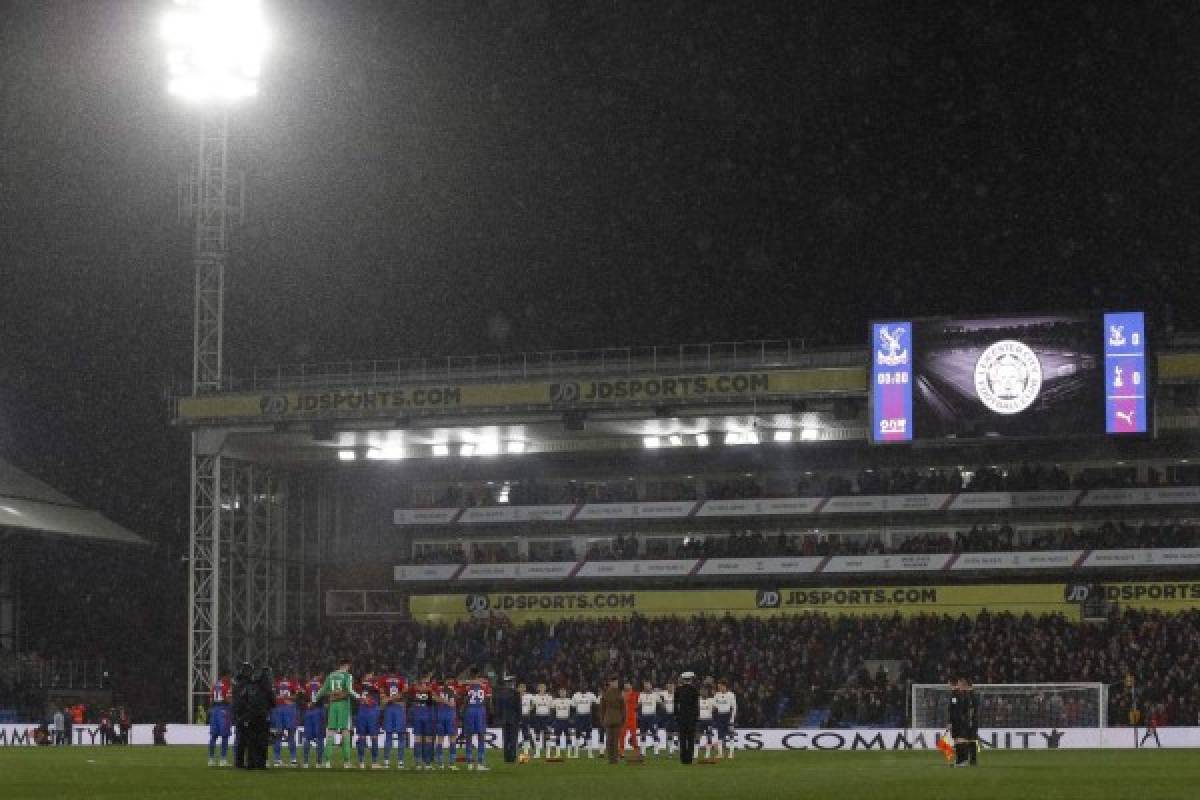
(214, 57)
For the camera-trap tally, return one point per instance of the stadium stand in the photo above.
(805, 667)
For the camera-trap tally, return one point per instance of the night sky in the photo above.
(457, 176)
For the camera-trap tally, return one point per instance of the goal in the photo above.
(1017, 705)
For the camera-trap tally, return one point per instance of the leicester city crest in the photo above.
(1008, 377)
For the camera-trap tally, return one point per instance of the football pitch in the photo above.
(181, 773)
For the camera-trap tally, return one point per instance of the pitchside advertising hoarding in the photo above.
(1022, 376)
(888, 740)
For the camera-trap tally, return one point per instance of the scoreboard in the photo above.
(1015, 376)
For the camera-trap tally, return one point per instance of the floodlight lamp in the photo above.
(214, 49)
(347, 455)
(650, 442)
(783, 436)
(702, 440)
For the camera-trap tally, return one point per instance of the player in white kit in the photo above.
(725, 716)
(543, 720)
(527, 743)
(666, 718)
(562, 726)
(584, 702)
(647, 718)
(704, 724)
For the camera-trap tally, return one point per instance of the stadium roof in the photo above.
(28, 504)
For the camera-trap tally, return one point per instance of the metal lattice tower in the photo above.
(211, 197)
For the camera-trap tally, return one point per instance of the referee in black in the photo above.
(687, 711)
(508, 713)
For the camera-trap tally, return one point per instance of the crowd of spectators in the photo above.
(1003, 538)
(869, 481)
(786, 666)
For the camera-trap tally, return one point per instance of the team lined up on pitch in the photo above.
(431, 721)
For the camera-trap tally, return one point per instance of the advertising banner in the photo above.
(498, 515)
(876, 504)
(760, 566)
(1037, 559)
(425, 516)
(859, 601)
(894, 563)
(761, 507)
(882, 740)
(1165, 495)
(425, 572)
(537, 571)
(435, 398)
(1155, 595)
(663, 568)
(666, 510)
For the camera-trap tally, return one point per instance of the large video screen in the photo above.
(1021, 376)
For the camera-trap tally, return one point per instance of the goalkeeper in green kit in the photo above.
(339, 688)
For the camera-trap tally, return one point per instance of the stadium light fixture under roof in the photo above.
(215, 49)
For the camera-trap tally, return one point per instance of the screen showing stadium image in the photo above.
(1018, 376)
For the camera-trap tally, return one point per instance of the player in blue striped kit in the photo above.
(366, 722)
(478, 692)
(314, 721)
(393, 689)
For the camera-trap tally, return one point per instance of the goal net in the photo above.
(1017, 705)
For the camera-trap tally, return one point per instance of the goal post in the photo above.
(1017, 705)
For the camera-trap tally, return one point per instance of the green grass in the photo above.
(180, 773)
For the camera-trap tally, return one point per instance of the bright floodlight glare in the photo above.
(810, 434)
(347, 455)
(467, 450)
(441, 450)
(214, 49)
(702, 440)
(676, 440)
(650, 442)
(783, 436)
(515, 448)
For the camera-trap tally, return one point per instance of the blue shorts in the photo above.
(393, 718)
(647, 722)
(218, 721)
(445, 725)
(562, 727)
(314, 724)
(583, 723)
(422, 724)
(283, 718)
(666, 722)
(474, 722)
(722, 725)
(541, 724)
(366, 721)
